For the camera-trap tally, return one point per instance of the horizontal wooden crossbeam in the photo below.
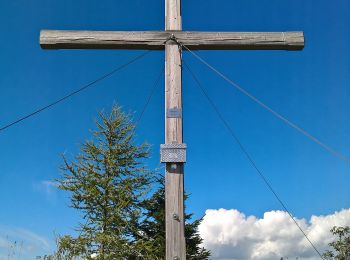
(155, 40)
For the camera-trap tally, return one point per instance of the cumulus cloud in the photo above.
(230, 234)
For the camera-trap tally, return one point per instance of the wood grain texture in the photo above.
(153, 40)
(174, 178)
(175, 236)
(173, 19)
(174, 229)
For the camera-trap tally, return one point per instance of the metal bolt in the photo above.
(176, 258)
(176, 217)
(173, 166)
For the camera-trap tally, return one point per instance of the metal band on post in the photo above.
(173, 153)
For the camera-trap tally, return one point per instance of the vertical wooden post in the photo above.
(174, 179)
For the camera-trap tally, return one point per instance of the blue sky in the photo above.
(310, 87)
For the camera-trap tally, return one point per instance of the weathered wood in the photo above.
(56, 39)
(173, 20)
(174, 204)
(174, 172)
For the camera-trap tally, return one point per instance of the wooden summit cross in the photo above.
(173, 152)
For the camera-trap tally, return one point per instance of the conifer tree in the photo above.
(107, 183)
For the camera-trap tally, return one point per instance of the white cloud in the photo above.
(229, 234)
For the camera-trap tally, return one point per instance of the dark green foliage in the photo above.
(153, 227)
(341, 246)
